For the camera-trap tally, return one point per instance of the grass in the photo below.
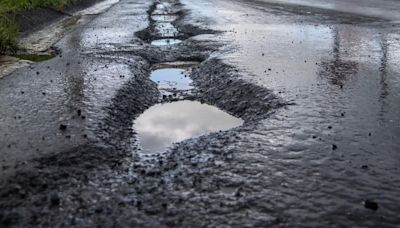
(35, 57)
(8, 29)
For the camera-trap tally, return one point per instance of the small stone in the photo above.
(37, 73)
(63, 127)
(79, 112)
(371, 205)
(364, 167)
(334, 147)
(55, 200)
(329, 127)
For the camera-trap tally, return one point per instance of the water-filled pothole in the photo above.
(173, 76)
(164, 18)
(164, 124)
(165, 42)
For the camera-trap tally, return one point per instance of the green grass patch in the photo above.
(8, 29)
(8, 35)
(35, 57)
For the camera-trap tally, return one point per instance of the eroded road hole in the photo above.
(173, 78)
(164, 18)
(163, 28)
(164, 124)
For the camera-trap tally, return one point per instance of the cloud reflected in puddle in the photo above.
(164, 124)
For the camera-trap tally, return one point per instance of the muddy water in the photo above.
(164, 124)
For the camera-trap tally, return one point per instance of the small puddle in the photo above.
(172, 79)
(165, 42)
(164, 124)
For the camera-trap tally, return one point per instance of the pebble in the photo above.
(371, 205)
(63, 127)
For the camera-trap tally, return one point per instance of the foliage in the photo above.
(8, 35)
(8, 29)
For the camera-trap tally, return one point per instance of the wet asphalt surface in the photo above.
(318, 91)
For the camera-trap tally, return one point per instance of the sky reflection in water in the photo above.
(164, 124)
(170, 78)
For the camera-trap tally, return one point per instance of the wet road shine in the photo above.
(316, 86)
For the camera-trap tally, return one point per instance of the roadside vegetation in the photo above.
(8, 10)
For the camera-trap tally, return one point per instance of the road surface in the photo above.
(313, 91)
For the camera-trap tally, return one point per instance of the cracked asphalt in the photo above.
(317, 87)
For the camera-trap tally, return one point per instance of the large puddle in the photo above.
(164, 124)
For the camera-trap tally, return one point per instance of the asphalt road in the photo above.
(317, 86)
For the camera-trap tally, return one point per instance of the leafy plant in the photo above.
(8, 29)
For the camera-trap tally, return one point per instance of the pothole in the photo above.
(163, 8)
(165, 42)
(165, 29)
(164, 18)
(162, 125)
(173, 78)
